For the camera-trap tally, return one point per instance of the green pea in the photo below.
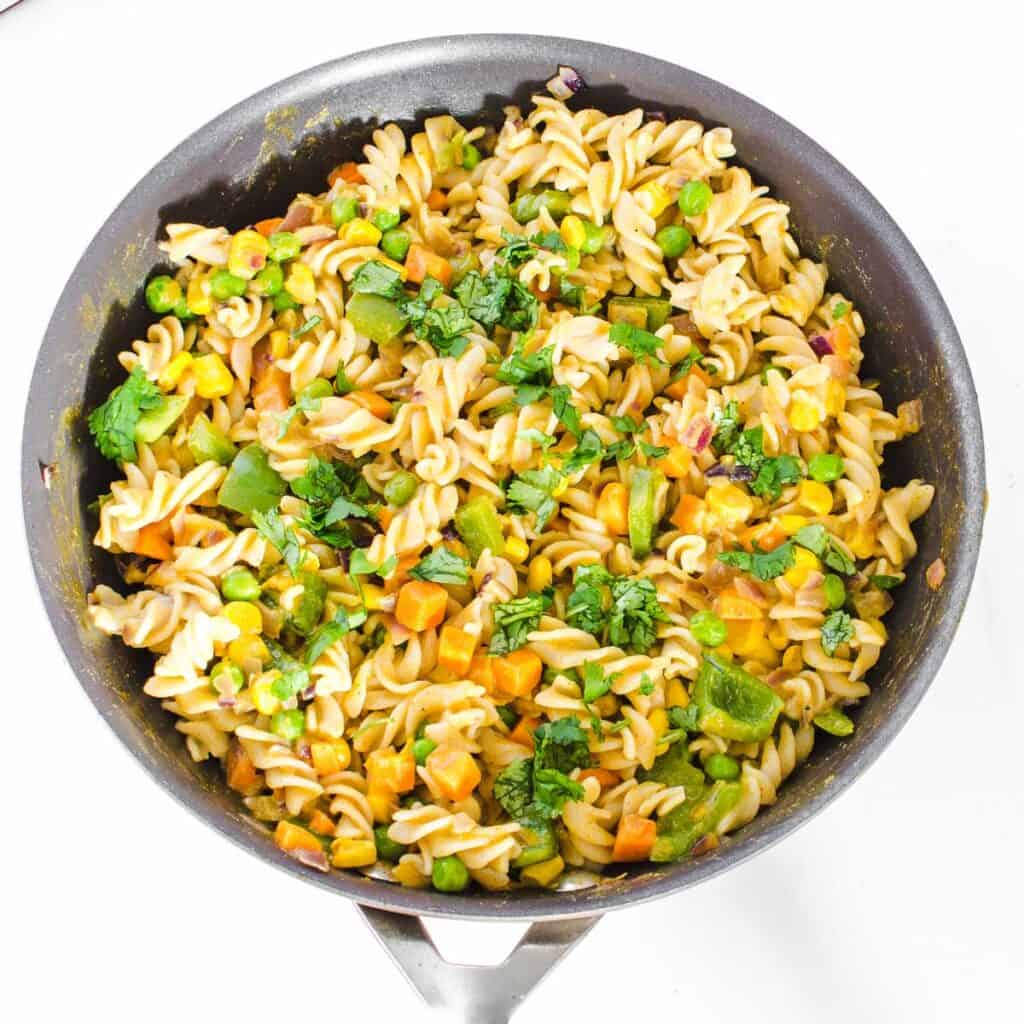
(387, 848)
(835, 591)
(283, 301)
(395, 244)
(400, 488)
(227, 678)
(834, 722)
(270, 280)
(163, 293)
(694, 198)
(449, 874)
(555, 202)
(708, 629)
(525, 208)
(344, 209)
(240, 585)
(289, 725)
(722, 767)
(225, 285)
(826, 467)
(470, 156)
(386, 219)
(319, 388)
(674, 240)
(284, 245)
(593, 241)
(181, 310)
(422, 749)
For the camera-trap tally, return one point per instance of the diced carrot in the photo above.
(321, 824)
(384, 517)
(401, 573)
(768, 537)
(634, 839)
(329, 758)
(455, 772)
(295, 837)
(347, 171)
(151, 542)
(421, 263)
(241, 772)
(523, 732)
(269, 226)
(517, 673)
(270, 392)
(393, 771)
(678, 388)
(688, 513)
(839, 338)
(481, 671)
(677, 463)
(437, 200)
(421, 605)
(456, 650)
(730, 605)
(370, 400)
(605, 777)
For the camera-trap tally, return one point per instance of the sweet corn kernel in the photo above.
(408, 874)
(804, 563)
(777, 637)
(353, 853)
(676, 695)
(300, 285)
(793, 659)
(245, 615)
(213, 378)
(280, 344)
(288, 320)
(835, 397)
(248, 254)
(745, 635)
(359, 231)
(172, 372)
(879, 627)
(816, 497)
(560, 488)
(543, 873)
(658, 721)
(516, 550)
(789, 524)
(654, 198)
(539, 575)
(862, 543)
(197, 296)
(573, 232)
(607, 706)
(382, 803)
(248, 648)
(763, 652)
(263, 700)
(329, 758)
(804, 416)
(373, 597)
(729, 504)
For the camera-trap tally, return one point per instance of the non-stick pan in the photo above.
(247, 164)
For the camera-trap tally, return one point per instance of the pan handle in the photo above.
(480, 995)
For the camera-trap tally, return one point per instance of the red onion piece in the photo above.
(750, 590)
(656, 115)
(298, 216)
(697, 435)
(911, 415)
(311, 858)
(935, 574)
(226, 700)
(734, 472)
(821, 346)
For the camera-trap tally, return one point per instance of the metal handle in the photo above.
(482, 995)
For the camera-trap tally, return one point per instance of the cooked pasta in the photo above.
(513, 504)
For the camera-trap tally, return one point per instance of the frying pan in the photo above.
(247, 164)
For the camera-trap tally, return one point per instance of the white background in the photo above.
(900, 903)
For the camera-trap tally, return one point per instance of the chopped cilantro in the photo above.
(595, 683)
(306, 404)
(294, 676)
(113, 423)
(544, 441)
(484, 298)
(376, 278)
(585, 608)
(883, 582)
(513, 788)
(442, 566)
(561, 745)
(726, 422)
(774, 474)
(360, 565)
(281, 536)
(332, 492)
(567, 413)
(646, 687)
(308, 325)
(532, 368)
(514, 621)
(552, 789)
(835, 630)
(820, 542)
(634, 613)
(839, 310)
(588, 449)
(765, 565)
(653, 451)
(533, 491)
(643, 344)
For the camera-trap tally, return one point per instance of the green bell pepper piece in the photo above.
(538, 841)
(208, 443)
(682, 827)
(479, 527)
(645, 311)
(834, 722)
(158, 421)
(734, 704)
(251, 484)
(643, 490)
(673, 768)
(528, 206)
(376, 317)
(310, 608)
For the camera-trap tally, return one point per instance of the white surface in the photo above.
(899, 903)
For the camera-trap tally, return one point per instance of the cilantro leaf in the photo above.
(765, 565)
(532, 368)
(567, 413)
(331, 632)
(360, 565)
(561, 745)
(643, 344)
(634, 614)
(376, 278)
(595, 683)
(545, 441)
(113, 423)
(646, 687)
(533, 491)
(513, 788)
(442, 566)
(726, 422)
(585, 607)
(552, 789)
(628, 425)
(518, 249)
(514, 620)
(294, 676)
(774, 474)
(588, 449)
(692, 358)
(332, 492)
(306, 404)
(839, 310)
(835, 630)
(446, 329)
(653, 451)
(281, 536)
(883, 582)
(484, 298)
(820, 542)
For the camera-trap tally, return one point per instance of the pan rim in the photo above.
(602, 898)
